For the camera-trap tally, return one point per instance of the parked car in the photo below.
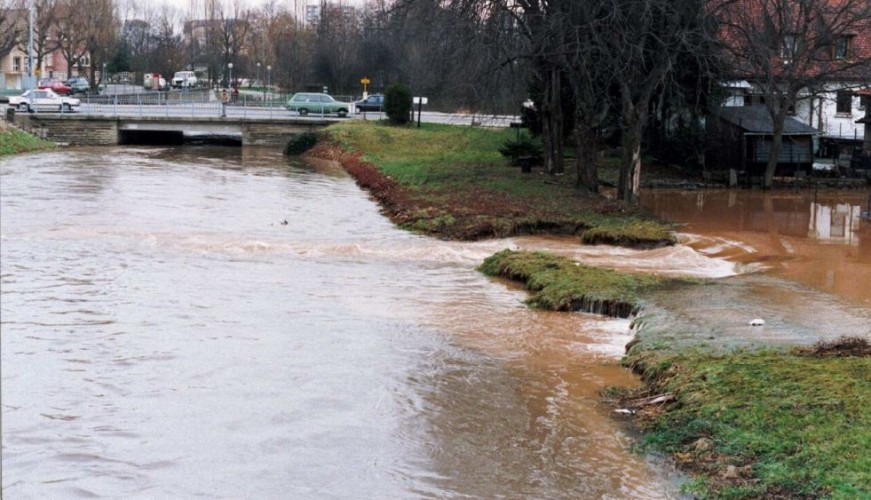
(78, 85)
(305, 103)
(184, 79)
(54, 84)
(43, 100)
(374, 102)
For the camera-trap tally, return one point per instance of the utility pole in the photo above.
(30, 83)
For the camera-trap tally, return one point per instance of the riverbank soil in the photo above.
(748, 415)
(451, 182)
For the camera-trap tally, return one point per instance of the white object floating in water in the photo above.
(757, 322)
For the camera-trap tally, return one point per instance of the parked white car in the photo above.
(184, 79)
(43, 100)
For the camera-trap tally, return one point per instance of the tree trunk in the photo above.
(552, 123)
(630, 165)
(778, 121)
(588, 169)
(633, 116)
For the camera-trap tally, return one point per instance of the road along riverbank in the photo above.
(749, 419)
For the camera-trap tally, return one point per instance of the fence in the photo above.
(194, 102)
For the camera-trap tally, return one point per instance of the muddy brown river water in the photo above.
(815, 237)
(165, 334)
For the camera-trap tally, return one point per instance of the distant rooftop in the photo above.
(756, 120)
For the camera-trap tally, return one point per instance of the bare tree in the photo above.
(336, 48)
(137, 35)
(642, 42)
(70, 30)
(44, 41)
(99, 25)
(792, 49)
(590, 75)
(169, 50)
(292, 52)
(12, 25)
(545, 23)
(233, 27)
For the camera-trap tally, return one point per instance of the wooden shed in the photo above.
(866, 144)
(740, 138)
(861, 163)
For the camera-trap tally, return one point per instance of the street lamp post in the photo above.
(258, 75)
(268, 78)
(230, 80)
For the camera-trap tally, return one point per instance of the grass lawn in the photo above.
(765, 424)
(452, 182)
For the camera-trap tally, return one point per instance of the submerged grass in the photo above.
(764, 424)
(561, 284)
(452, 182)
(14, 141)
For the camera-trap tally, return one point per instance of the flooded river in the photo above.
(166, 335)
(815, 237)
(223, 323)
(804, 262)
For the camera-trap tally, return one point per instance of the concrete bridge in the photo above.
(97, 130)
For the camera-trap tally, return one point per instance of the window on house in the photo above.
(863, 102)
(844, 102)
(842, 47)
(16, 64)
(791, 46)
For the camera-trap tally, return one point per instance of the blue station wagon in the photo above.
(305, 103)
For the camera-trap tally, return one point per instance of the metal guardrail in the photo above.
(193, 103)
(205, 103)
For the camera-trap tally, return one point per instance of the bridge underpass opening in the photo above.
(151, 137)
(176, 138)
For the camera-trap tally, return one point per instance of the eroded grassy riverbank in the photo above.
(451, 182)
(763, 424)
(745, 424)
(14, 141)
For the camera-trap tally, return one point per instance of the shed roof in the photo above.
(756, 120)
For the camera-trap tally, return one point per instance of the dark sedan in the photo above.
(374, 102)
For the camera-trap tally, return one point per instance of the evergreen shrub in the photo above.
(397, 103)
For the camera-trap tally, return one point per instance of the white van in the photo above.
(184, 79)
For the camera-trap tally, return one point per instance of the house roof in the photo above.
(756, 120)
(755, 30)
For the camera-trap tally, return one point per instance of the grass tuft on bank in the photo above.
(562, 284)
(764, 424)
(14, 141)
(452, 182)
